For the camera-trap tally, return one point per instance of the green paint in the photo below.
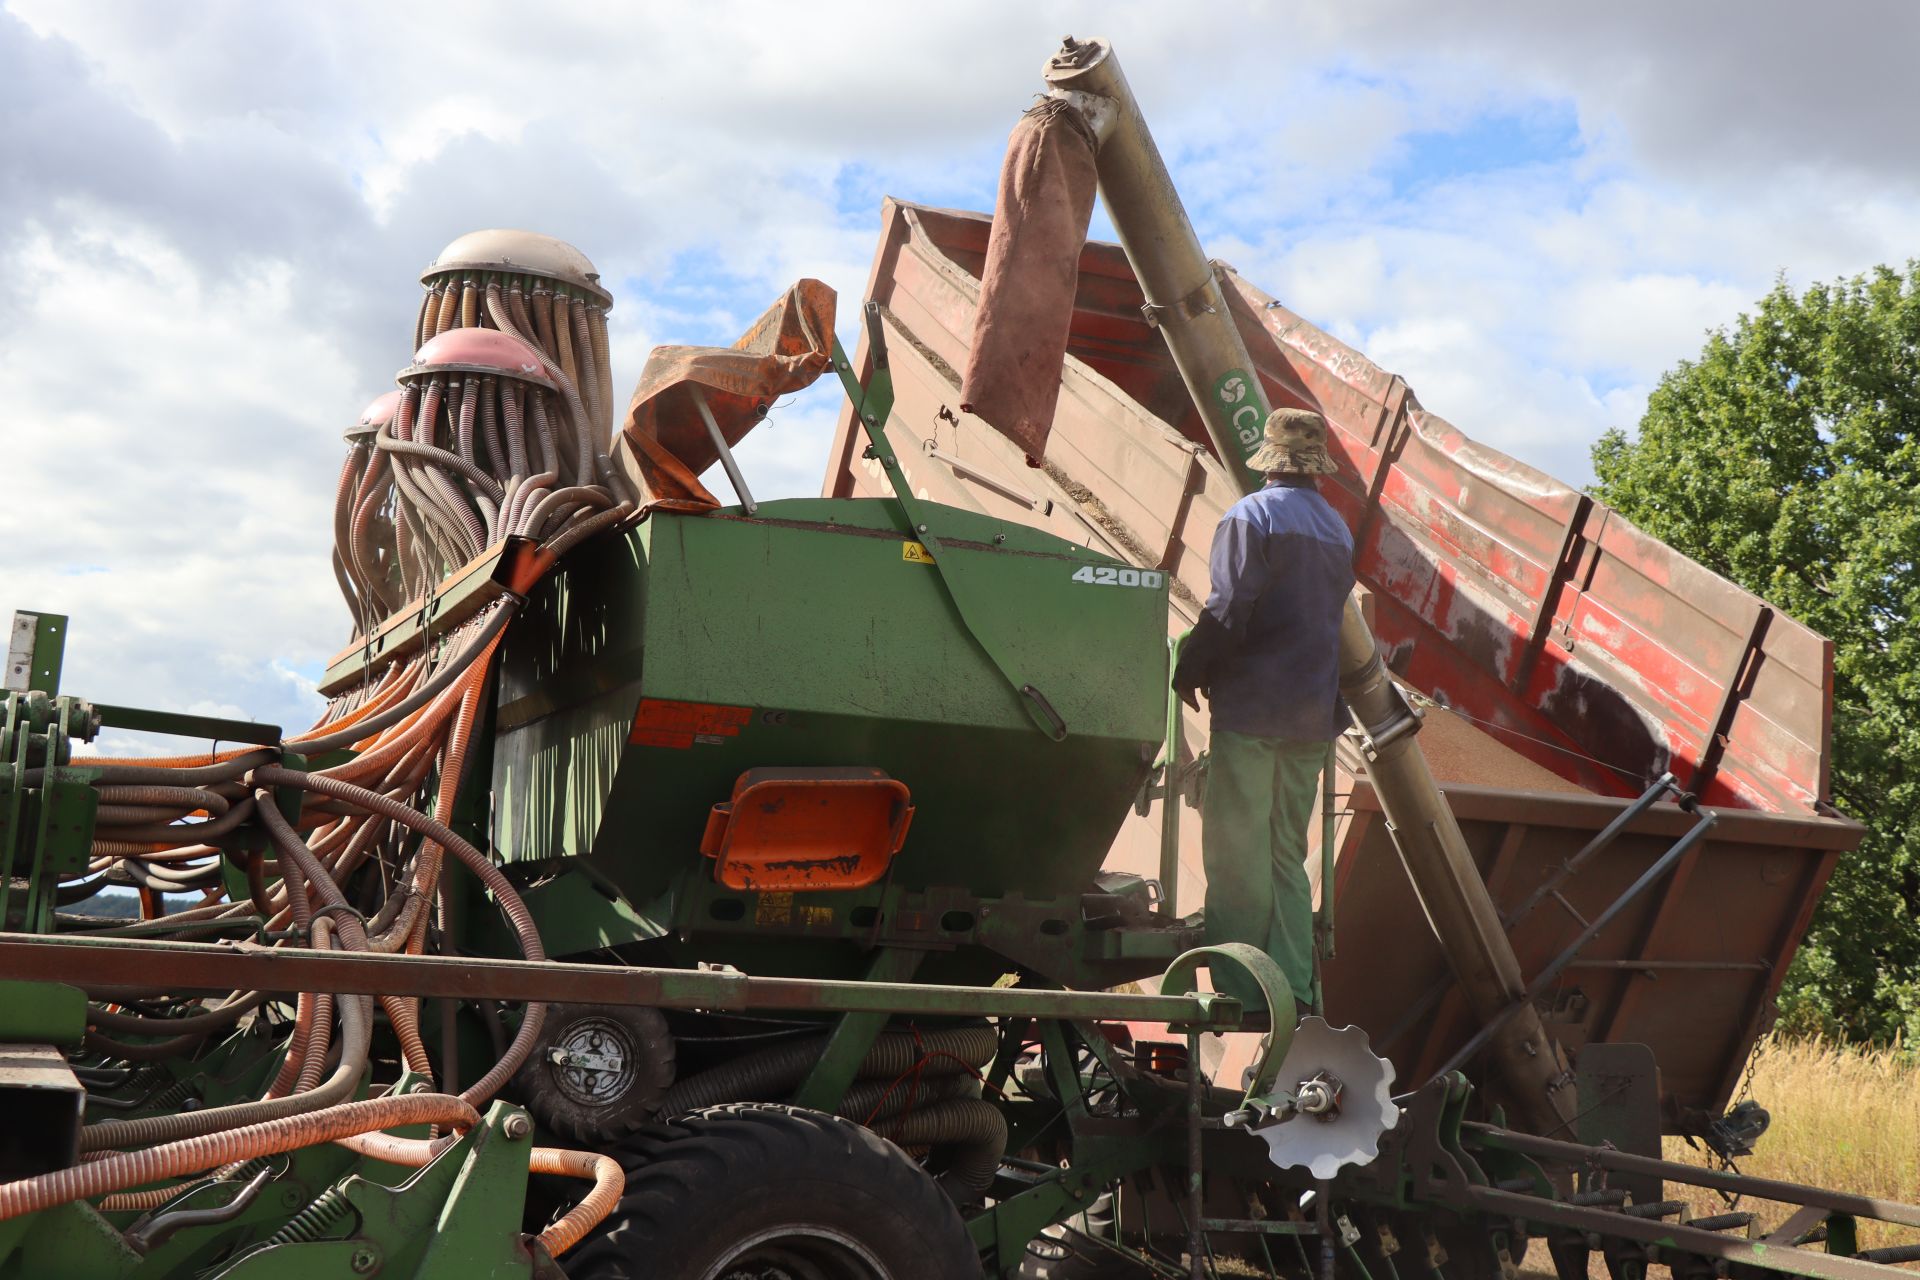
(1236, 395)
(42, 1013)
(46, 831)
(210, 728)
(49, 648)
(979, 605)
(840, 652)
(1257, 969)
(853, 1036)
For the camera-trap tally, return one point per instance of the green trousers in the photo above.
(1253, 841)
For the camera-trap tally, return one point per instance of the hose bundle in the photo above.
(499, 427)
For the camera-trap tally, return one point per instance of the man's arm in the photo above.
(1239, 571)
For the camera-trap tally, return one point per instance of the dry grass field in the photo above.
(1843, 1117)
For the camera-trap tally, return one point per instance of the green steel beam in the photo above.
(853, 1036)
(460, 595)
(141, 720)
(95, 963)
(49, 648)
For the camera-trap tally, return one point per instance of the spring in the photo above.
(170, 1098)
(328, 1210)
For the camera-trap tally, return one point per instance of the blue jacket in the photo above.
(1282, 567)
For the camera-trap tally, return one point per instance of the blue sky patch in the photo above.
(1546, 133)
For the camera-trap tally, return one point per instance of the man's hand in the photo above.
(1193, 673)
(1186, 688)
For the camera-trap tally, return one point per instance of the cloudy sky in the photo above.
(213, 215)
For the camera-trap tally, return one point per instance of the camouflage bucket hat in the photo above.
(1295, 444)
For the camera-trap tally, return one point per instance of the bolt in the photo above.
(517, 1126)
(923, 528)
(364, 1260)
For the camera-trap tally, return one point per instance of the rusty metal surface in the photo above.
(1586, 645)
(101, 964)
(1688, 969)
(507, 567)
(1497, 589)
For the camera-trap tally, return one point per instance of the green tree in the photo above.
(1787, 457)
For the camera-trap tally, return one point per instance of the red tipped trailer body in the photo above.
(1575, 645)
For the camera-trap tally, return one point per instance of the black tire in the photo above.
(766, 1192)
(597, 1106)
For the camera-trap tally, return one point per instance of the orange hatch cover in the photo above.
(800, 829)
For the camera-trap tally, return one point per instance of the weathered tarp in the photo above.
(663, 445)
(1040, 220)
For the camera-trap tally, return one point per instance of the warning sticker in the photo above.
(774, 908)
(915, 553)
(662, 722)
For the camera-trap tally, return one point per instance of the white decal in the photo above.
(1107, 575)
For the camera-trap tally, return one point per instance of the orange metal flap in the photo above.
(801, 829)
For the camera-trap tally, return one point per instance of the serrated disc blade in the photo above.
(1325, 1145)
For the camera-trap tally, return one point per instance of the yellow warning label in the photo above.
(915, 553)
(773, 908)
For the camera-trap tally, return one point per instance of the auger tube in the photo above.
(1185, 303)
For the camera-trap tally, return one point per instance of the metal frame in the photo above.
(107, 964)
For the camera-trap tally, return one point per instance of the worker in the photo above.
(1265, 652)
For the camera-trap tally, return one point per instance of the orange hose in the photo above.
(305, 1010)
(449, 310)
(452, 768)
(165, 762)
(111, 849)
(608, 1179)
(404, 1012)
(141, 1201)
(392, 687)
(393, 743)
(192, 1155)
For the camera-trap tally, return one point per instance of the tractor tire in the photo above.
(597, 1072)
(767, 1192)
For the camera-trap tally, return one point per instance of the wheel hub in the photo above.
(593, 1061)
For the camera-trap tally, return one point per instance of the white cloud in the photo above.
(211, 221)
